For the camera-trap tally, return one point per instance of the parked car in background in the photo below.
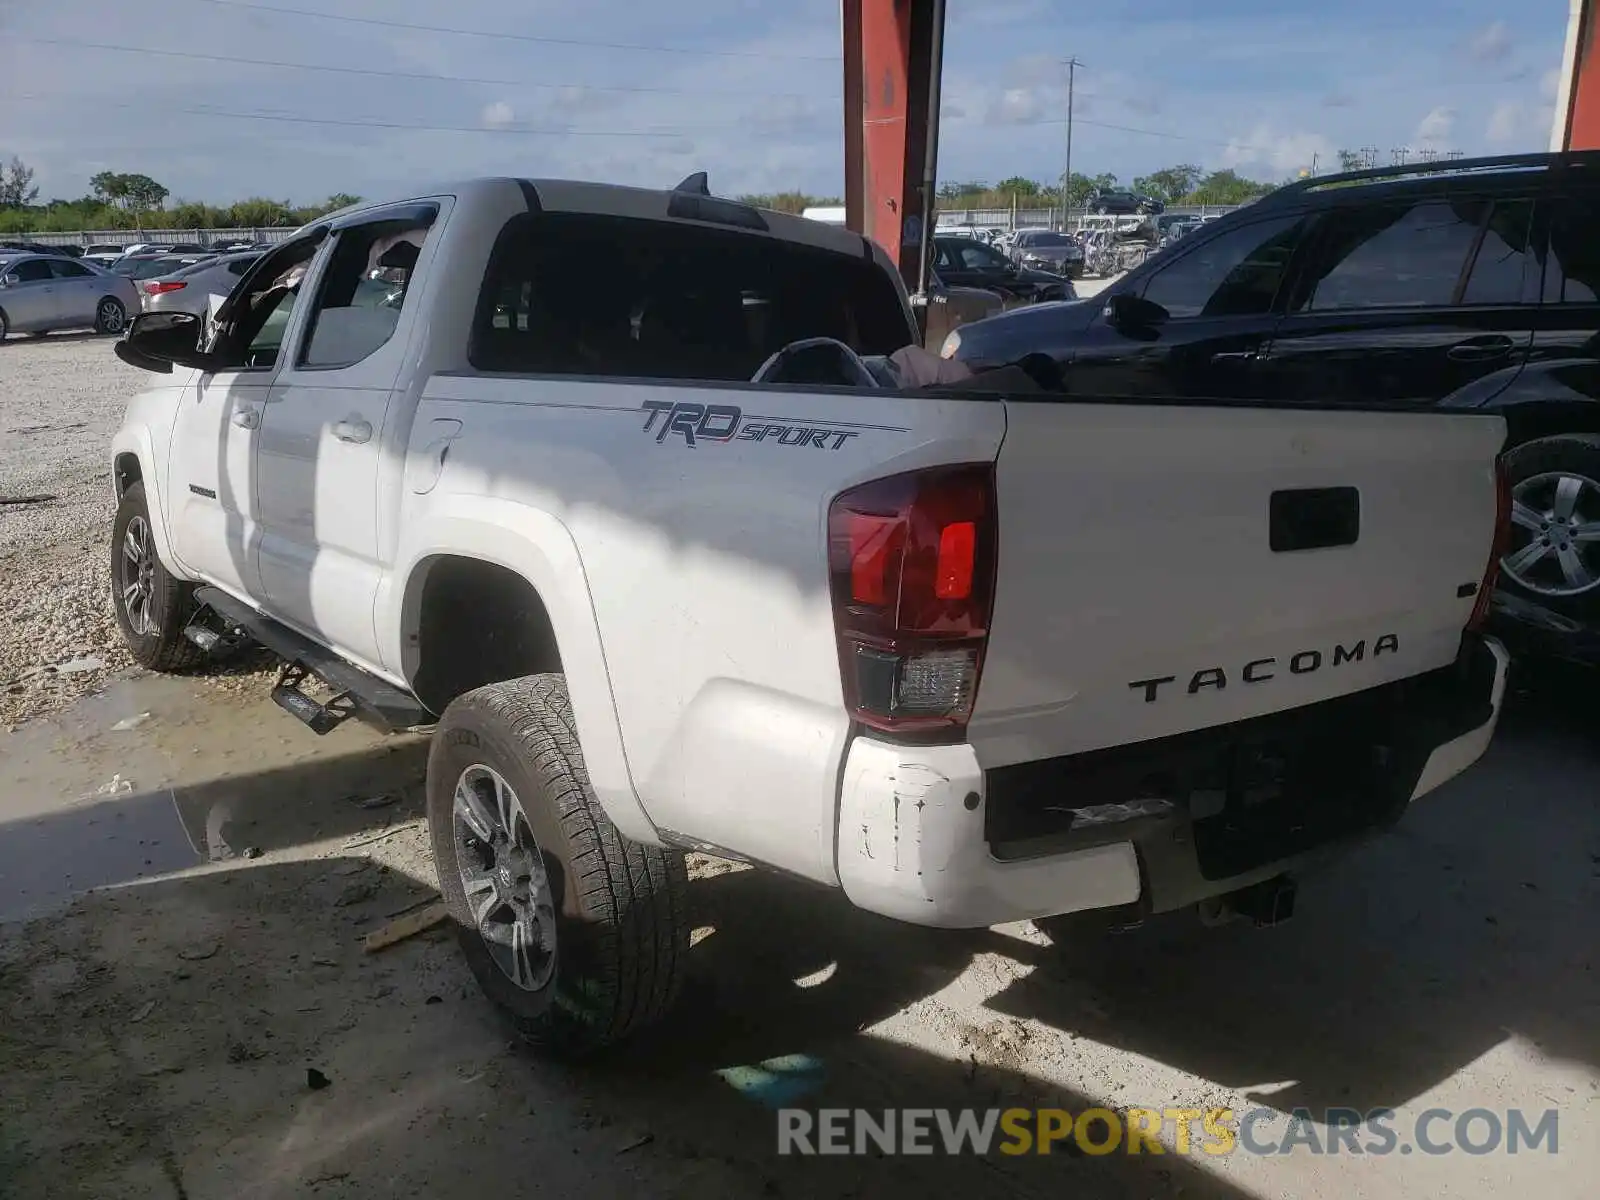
(103, 253)
(15, 246)
(153, 266)
(1047, 250)
(1116, 202)
(189, 288)
(44, 292)
(1469, 285)
(967, 262)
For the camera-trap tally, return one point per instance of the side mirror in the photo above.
(157, 340)
(1130, 314)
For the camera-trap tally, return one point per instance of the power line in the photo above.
(384, 74)
(296, 119)
(499, 35)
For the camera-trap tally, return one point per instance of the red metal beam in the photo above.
(891, 86)
(1578, 101)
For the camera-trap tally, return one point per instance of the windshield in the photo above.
(1050, 239)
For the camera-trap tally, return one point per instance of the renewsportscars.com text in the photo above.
(1153, 1131)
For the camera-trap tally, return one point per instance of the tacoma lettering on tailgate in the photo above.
(1263, 670)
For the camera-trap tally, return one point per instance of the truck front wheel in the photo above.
(151, 606)
(578, 934)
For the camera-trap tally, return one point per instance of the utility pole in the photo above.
(1072, 65)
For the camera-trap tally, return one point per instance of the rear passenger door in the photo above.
(77, 292)
(1564, 363)
(1419, 301)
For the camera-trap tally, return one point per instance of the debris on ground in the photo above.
(407, 926)
(200, 952)
(127, 723)
(316, 1080)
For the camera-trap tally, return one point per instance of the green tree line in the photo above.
(135, 201)
(1182, 184)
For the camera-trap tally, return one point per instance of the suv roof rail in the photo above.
(1457, 166)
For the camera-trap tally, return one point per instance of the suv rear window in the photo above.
(572, 293)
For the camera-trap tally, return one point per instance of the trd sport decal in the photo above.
(727, 423)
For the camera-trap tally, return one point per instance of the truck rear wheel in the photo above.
(151, 605)
(578, 934)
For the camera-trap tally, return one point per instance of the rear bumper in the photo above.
(927, 836)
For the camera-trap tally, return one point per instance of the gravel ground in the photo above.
(61, 399)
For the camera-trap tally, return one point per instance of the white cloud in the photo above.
(498, 115)
(1016, 105)
(1505, 123)
(1437, 126)
(1492, 44)
(1279, 153)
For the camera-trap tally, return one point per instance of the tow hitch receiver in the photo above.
(317, 716)
(1270, 902)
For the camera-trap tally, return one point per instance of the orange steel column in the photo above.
(1578, 102)
(892, 53)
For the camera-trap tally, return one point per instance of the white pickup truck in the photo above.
(528, 462)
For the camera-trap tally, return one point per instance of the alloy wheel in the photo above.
(112, 316)
(1555, 521)
(504, 878)
(139, 577)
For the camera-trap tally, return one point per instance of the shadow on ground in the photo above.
(156, 1038)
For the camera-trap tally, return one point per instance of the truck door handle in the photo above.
(1235, 356)
(247, 418)
(1480, 349)
(353, 430)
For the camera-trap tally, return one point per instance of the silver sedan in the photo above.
(40, 293)
(189, 288)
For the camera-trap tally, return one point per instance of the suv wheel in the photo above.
(1554, 556)
(151, 606)
(579, 935)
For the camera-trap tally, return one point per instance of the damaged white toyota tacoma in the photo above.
(631, 496)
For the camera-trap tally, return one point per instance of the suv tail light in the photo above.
(912, 562)
(156, 287)
(1502, 541)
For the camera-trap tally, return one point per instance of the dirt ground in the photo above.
(186, 876)
(157, 1032)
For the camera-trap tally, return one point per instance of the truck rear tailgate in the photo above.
(1139, 593)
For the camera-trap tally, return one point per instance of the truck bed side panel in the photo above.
(704, 557)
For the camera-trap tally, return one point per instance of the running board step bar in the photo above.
(357, 692)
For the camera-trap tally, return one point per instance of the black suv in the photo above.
(967, 262)
(1471, 284)
(1120, 203)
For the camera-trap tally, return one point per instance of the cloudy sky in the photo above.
(640, 91)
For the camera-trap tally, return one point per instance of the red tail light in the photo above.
(157, 286)
(912, 560)
(1502, 542)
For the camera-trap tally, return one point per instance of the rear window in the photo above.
(570, 293)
